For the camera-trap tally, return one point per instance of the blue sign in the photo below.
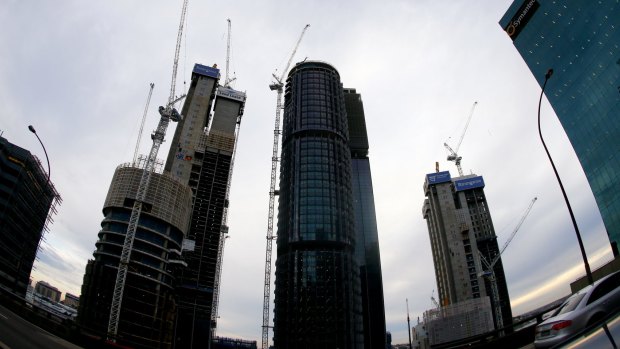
(206, 71)
(439, 177)
(469, 183)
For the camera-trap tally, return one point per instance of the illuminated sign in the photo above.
(439, 177)
(230, 93)
(521, 18)
(206, 71)
(469, 183)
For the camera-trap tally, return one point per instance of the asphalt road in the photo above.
(17, 333)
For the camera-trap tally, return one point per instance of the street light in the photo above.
(49, 171)
(570, 210)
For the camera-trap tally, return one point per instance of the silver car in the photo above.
(580, 310)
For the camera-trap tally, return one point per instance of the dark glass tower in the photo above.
(366, 235)
(579, 41)
(317, 288)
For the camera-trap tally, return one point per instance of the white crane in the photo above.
(277, 85)
(228, 80)
(489, 272)
(146, 109)
(454, 156)
(167, 113)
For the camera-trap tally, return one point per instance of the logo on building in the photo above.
(523, 15)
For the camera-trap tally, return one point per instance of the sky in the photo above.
(79, 72)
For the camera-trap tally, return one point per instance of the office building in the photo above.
(579, 41)
(366, 235)
(71, 300)
(461, 232)
(28, 200)
(48, 291)
(201, 157)
(317, 287)
(146, 318)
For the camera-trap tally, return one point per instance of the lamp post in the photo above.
(49, 171)
(570, 210)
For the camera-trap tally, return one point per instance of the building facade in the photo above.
(579, 41)
(28, 200)
(462, 234)
(317, 287)
(201, 157)
(366, 234)
(46, 290)
(72, 300)
(146, 318)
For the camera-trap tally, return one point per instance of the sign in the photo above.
(439, 177)
(521, 18)
(188, 245)
(206, 71)
(230, 93)
(469, 183)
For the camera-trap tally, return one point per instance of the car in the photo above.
(584, 308)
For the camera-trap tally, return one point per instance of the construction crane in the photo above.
(228, 80)
(146, 109)
(489, 272)
(277, 86)
(167, 114)
(454, 156)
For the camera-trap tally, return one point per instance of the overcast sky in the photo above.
(79, 72)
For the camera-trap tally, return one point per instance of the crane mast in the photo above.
(278, 86)
(146, 109)
(490, 272)
(454, 156)
(228, 80)
(167, 113)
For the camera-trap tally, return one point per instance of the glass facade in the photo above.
(317, 290)
(580, 41)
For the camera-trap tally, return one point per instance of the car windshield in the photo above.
(570, 304)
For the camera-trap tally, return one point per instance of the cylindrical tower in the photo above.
(317, 295)
(148, 306)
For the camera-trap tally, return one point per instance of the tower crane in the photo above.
(489, 272)
(167, 114)
(146, 109)
(277, 85)
(454, 156)
(228, 80)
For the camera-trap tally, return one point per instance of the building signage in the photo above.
(439, 177)
(230, 93)
(469, 183)
(521, 18)
(207, 71)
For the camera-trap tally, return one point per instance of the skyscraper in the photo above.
(148, 306)
(201, 156)
(317, 287)
(579, 41)
(366, 235)
(27, 201)
(461, 233)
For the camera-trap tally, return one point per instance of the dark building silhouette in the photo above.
(27, 202)
(366, 235)
(201, 156)
(317, 286)
(579, 41)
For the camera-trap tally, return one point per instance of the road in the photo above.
(17, 333)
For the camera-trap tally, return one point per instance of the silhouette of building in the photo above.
(579, 41)
(461, 233)
(28, 200)
(317, 286)
(366, 235)
(147, 313)
(201, 156)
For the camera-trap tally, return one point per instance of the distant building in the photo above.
(201, 157)
(46, 290)
(28, 199)
(579, 41)
(419, 336)
(71, 300)
(462, 234)
(459, 320)
(232, 343)
(146, 317)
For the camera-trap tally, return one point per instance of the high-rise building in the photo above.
(201, 157)
(579, 41)
(366, 235)
(461, 233)
(146, 317)
(317, 287)
(28, 199)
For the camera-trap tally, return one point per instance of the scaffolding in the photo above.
(459, 320)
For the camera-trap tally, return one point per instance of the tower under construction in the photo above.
(201, 156)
